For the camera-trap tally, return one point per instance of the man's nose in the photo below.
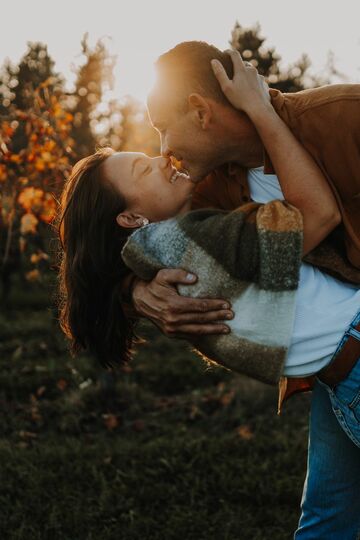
(163, 162)
(165, 150)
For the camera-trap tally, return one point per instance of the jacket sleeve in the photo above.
(205, 195)
(326, 121)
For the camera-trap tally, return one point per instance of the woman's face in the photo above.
(151, 187)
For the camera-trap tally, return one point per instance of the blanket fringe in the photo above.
(282, 392)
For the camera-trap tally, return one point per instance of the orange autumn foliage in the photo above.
(35, 159)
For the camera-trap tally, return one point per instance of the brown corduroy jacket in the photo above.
(326, 121)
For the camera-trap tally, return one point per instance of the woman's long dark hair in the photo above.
(91, 267)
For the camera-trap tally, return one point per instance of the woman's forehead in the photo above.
(123, 159)
(121, 163)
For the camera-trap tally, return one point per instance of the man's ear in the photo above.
(201, 107)
(129, 220)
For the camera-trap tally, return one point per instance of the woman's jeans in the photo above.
(330, 503)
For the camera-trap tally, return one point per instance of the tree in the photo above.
(126, 127)
(93, 78)
(19, 85)
(250, 44)
(20, 82)
(31, 177)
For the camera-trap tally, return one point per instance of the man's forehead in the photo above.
(160, 106)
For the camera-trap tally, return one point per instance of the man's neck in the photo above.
(241, 143)
(249, 154)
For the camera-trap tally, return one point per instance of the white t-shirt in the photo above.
(325, 306)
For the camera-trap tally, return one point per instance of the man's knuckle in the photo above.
(169, 330)
(174, 309)
(165, 306)
(161, 274)
(170, 318)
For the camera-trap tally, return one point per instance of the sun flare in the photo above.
(138, 73)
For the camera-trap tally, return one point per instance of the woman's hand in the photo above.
(247, 90)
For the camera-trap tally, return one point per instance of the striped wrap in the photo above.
(250, 256)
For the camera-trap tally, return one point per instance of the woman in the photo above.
(108, 196)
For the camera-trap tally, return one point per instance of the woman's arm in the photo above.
(301, 180)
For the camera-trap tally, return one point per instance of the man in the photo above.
(217, 144)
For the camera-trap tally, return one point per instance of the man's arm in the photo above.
(327, 122)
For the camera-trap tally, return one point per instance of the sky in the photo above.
(137, 32)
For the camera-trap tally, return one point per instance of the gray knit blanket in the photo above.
(251, 257)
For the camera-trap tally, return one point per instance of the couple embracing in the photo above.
(250, 249)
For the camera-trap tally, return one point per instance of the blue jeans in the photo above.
(330, 505)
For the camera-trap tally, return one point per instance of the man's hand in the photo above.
(247, 89)
(179, 316)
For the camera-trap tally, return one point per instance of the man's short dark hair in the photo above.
(186, 68)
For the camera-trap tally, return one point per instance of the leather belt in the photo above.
(343, 361)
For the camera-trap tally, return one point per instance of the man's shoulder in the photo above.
(322, 96)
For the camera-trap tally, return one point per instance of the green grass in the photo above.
(169, 449)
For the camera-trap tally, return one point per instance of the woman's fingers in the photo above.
(238, 62)
(220, 74)
(247, 91)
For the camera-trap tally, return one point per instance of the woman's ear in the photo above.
(129, 220)
(201, 108)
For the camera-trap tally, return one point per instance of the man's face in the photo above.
(183, 137)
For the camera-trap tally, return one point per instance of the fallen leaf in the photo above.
(62, 384)
(40, 391)
(227, 398)
(27, 434)
(110, 421)
(194, 412)
(245, 432)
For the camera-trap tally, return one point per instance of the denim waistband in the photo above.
(350, 331)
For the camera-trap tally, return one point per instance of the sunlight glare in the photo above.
(138, 72)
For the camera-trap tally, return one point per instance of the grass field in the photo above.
(165, 450)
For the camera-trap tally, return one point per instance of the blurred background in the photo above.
(165, 448)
